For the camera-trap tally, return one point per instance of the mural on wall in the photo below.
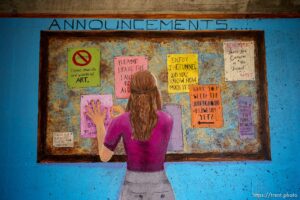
(212, 83)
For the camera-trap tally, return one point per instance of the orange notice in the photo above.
(206, 106)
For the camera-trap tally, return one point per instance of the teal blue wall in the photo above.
(22, 178)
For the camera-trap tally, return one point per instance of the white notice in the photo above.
(239, 60)
(63, 139)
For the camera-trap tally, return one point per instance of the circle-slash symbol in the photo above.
(81, 58)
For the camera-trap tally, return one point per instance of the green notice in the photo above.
(83, 67)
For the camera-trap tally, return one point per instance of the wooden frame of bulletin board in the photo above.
(230, 63)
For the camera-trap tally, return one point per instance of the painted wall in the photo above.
(22, 178)
(15, 7)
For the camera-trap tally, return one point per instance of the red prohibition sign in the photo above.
(81, 58)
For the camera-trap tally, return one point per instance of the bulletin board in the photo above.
(213, 84)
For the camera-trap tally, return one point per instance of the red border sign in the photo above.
(81, 58)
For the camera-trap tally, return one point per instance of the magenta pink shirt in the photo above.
(141, 155)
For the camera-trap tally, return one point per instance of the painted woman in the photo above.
(145, 130)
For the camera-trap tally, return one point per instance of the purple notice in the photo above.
(245, 117)
(176, 141)
(88, 128)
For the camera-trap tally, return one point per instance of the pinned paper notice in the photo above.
(182, 72)
(125, 67)
(246, 126)
(63, 139)
(88, 128)
(239, 60)
(206, 106)
(83, 67)
(176, 138)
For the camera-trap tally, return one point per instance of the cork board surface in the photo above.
(59, 105)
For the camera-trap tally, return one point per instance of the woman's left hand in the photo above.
(93, 110)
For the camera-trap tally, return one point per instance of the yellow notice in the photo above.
(182, 72)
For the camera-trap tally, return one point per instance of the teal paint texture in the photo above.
(21, 177)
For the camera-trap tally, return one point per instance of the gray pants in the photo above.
(146, 186)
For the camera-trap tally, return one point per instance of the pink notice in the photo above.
(125, 67)
(87, 127)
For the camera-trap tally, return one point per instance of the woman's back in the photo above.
(143, 156)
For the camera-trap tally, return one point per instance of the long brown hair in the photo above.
(143, 103)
